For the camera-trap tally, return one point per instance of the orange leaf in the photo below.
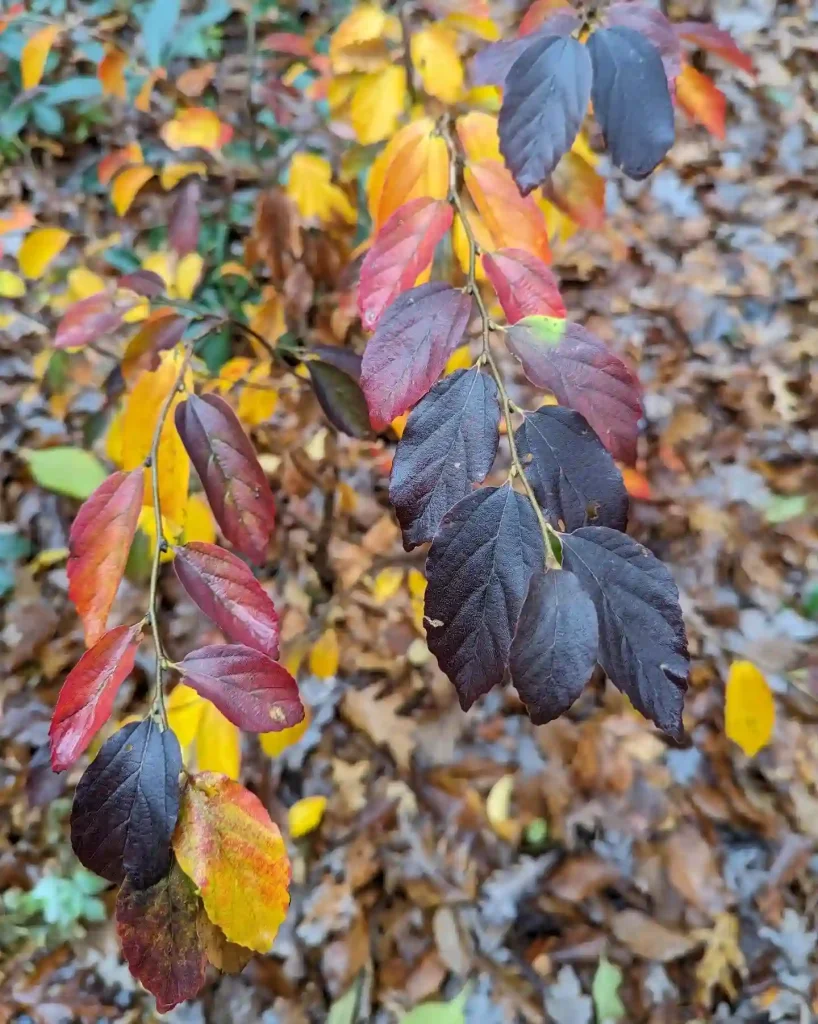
(514, 221)
(227, 844)
(194, 126)
(35, 54)
(579, 191)
(636, 484)
(13, 12)
(127, 185)
(193, 82)
(143, 98)
(698, 96)
(414, 163)
(111, 72)
(99, 543)
(478, 136)
(112, 163)
(17, 217)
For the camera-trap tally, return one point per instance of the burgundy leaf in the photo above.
(143, 282)
(717, 41)
(344, 359)
(525, 286)
(87, 695)
(655, 27)
(234, 482)
(183, 228)
(584, 375)
(226, 590)
(403, 248)
(88, 320)
(493, 63)
(251, 690)
(408, 352)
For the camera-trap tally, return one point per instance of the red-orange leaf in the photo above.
(525, 286)
(98, 548)
(251, 690)
(715, 40)
(226, 842)
(578, 191)
(226, 590)
(514, 221)
(160, 938)
(87, 695)
(403, 248)
(699, 97)
(233, 480)
(88, 320)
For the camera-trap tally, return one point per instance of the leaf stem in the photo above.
(152, 462)
(487, 326)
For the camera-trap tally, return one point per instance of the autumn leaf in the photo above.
(311, 188)
(89, 320)
(192, 127)
(360, 38)
(700, 99)
(435, 56)
(478, 136)
(127, 185)
(111, 72)
(275, 743)
(377, 104)
(514, 221)
(38, 250)
(325, 655)
(12, 286)
(113, 162)
(306, 815)
(227, 844)
(209, 742)
(35, 54)
(100, 539)
(171, 174)
(413, 164)
(87, 695)
(749, 708)
(525, 286)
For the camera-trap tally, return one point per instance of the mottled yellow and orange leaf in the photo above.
(35, 54)
(111, 72)
(414, 163)
(193, 127)
(513, 221)
(699, 97)
(478, 136)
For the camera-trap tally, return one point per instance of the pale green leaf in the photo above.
(605, 990)
(64, 470)
(453, 1012)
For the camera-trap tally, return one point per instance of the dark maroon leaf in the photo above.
(574, 477)
(555, 646)
(158, 929)
(478, 570)
(126, 805)
(341, 398)
(251, 690)
(655, 27)
(88, 320)
(226, 590)
(143, 282)
(546, 97)
(449, 443)
(642, 643)
(408, 351)
(233, 480)
(493, 63)
(584, 375)
(341, 358)
(631, 99)
(183, 228)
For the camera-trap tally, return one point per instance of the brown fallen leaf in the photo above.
(379, 719)
(693, 872)
(649, 939)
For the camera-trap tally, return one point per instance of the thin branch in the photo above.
(406, 36)
(487, 326)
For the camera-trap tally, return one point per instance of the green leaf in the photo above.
(784, 507)
(441, 1013)
(157, 28)
(70, 471)
(605, 991)
(82, 87)
(547, 329)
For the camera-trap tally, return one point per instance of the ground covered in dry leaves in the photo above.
(475, 847)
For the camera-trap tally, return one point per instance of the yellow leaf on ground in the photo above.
(143, 98)
(386, 584)
(139, 422)
(83, 283)
(208, 740)
(12, 286)
(126, 186)
(266, 319)
(324, 656)
(35, 54)
(749, 708)
(39, 248)
(188, 275)
(160, 263)
(305, 815)
(111, 72)
(377, 104)
(194, 126)
(172, 174)
(434, 54)
(227, 844)
(275, 743)
(311, 188)
(113, 162)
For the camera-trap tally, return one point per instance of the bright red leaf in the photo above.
(251, 690)
(234, 482)
(525, 286)
(717, 41)
(408, 352)
(700, 99)
(226, 590)
(403, 248)
(87, 695)
(98, 546)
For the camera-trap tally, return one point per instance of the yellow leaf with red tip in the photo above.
(35, 54)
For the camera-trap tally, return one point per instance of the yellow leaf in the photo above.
(227, 844)
(377, 104)
(398, 424)
(386, 584)
(477, 132)
(194, 126)
(232, 267)
(460, 359)
(172, 174)
(35, 54)
(160, 263)
(324, 655)
(199, 523)
(266, 319)
(143, 98)
(305, 815)
(208, 741)
(139, 422)
(434, 54)
(111, 72)
(188, 274)
(498, 805)
(126, 186)
(113, 440)
(749, 709)
(38, 250)
(311, 188)
(83, 283)
(483, 28)
(275, 743)
(147, 524)
(356, 40)
(485, 97)
(417, 583)
(257, 404)
(12, 286)
(414, 163)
